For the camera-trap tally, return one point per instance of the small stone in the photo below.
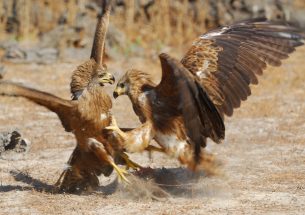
(11, 143)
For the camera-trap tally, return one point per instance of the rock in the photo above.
(15, 53)
(12, 145)
(47, 55)
(18, 54)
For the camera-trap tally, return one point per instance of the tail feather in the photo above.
(61, 107)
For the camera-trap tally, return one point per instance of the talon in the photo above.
(111, 127)
(121, 173)
(114, 127)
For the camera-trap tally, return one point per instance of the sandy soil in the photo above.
(263, 155)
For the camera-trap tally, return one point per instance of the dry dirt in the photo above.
(263, 155)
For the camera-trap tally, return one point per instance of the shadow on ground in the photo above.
(149, 183)
(162, 183)
(32, 184)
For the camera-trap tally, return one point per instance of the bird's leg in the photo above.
(58, 182)
(121, 172)
(152, 148)
(102, 154)
(114, 127)
(136, 140)
(130, 163)
(60, 177)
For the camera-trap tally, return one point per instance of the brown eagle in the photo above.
(86, 116)
(189, 104)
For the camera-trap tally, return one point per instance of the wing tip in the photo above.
(163, 56)
(168, 61)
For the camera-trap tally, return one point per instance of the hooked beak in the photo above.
(107, 78)
(119, 91)
(115, 94)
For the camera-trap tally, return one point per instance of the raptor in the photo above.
(86, 115)
(212, 79)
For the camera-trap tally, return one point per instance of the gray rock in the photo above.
(14, 52)
(18, 54)
(12, 145)
(47, 55)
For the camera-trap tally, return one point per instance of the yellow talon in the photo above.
(116, 129)
(111, 127)
(121, 173)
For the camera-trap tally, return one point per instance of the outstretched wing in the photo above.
(60, 106)
(180, 91)
(84, 73)
(228, 60)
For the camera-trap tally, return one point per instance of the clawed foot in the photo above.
(114, 127)
(121, 173)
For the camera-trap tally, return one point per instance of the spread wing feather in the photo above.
(60, 106)
(228, 60)
(183, 91)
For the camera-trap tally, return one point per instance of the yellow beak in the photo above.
(107, 78)
(118, 91)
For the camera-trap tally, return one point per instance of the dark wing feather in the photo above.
(228, 60)
(185, 94)
(98, 47)
(84, 72)
(61, 107)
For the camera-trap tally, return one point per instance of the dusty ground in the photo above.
(263, 155)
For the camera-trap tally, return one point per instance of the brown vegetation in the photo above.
(151, 23)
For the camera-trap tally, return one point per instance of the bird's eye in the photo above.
(121, 85)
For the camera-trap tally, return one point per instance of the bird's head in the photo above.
(131, 82)
(102, 77)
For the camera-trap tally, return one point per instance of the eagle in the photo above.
(212, 79)
(86, 115)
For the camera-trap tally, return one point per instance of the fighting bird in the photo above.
(86, 116)
(189, 104)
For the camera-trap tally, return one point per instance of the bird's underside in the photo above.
(211, 80)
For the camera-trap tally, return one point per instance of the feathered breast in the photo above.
(95, 105)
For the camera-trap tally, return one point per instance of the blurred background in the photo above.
(46, 31)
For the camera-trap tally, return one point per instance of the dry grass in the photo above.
(37, 17)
